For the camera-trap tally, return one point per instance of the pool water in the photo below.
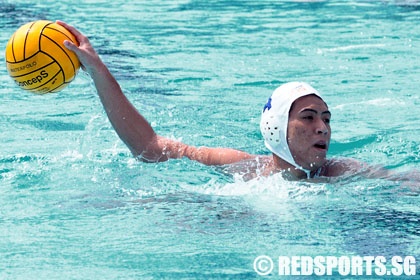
(76, 205)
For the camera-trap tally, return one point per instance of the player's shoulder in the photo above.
(342, 166)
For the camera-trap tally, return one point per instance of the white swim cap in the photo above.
(275, 118)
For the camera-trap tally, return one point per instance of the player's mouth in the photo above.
(321, 145)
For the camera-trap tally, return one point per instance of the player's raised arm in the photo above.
(130, 125)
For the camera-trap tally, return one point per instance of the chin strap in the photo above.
(307, 172)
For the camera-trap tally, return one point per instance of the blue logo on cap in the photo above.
(268, 105)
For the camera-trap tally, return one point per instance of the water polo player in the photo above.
(294, 124)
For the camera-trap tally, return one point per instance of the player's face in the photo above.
(309, 132)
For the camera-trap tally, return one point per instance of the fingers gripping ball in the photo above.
(37, 59)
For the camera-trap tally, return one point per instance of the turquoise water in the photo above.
(76, 205)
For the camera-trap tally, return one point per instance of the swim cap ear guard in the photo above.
(275, 119)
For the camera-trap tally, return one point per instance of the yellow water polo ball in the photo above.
(37, 59)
